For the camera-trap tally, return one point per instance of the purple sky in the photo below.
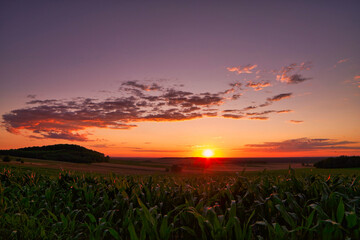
(67, 49)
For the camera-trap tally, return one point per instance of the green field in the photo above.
(282, 204)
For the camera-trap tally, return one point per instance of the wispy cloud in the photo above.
(136, 101)
(285, 111)
(291, 74)
(301, 144)
(344, 60)
(242, 69)
(279, 97)
(257, 86)
(296, 121)
(31, 96)
(260, 118)
(63, 119)
(157, 150)
(357, 78)
(102, 145)
(234, 116)
(136, 84)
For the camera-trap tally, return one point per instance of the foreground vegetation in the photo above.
(237, 206)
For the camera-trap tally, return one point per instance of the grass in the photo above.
(282, 204)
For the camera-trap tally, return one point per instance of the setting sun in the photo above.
(208, 153)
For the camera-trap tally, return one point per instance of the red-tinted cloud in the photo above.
(301, 144)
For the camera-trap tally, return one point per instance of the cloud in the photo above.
(157, 150)
(63, 119)
(257, 86)
(290, 74)
(242, 69)
(296, 78)
(135, 84)
(279, 97)
(234, 116)
(31, 96)
(210, 114)
(344, 60)
(284, 111)
(357, 77)
(101, 145)
(265, 104)
(135, 102)
(249, 108)
(296, 121)
(260, 113)
(301, 144)
(260, 118)
(235, 96)
(270, 101)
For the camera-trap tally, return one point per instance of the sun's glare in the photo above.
(208, 153)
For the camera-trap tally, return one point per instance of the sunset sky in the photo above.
(171, 78)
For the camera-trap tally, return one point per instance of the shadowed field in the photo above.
(161, 165)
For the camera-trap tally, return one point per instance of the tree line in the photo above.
(339, 162)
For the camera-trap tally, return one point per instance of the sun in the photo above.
(208, 153)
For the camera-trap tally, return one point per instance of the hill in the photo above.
(339, 162)
(59, 152)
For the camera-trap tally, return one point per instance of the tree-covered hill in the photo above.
(339, 162)
(59, 152)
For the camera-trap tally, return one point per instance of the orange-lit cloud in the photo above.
(257, 86)
(301, 144)
(138, 102)
(285, 111)
(242, 69)
(296, 121)
(260, 118)
(291, 74)
(357, 77)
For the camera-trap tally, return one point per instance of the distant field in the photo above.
(159, 166)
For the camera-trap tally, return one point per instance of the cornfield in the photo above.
(235, 206)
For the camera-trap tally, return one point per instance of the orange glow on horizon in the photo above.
(208, 153)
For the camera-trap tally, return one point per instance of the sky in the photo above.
(172, 78)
